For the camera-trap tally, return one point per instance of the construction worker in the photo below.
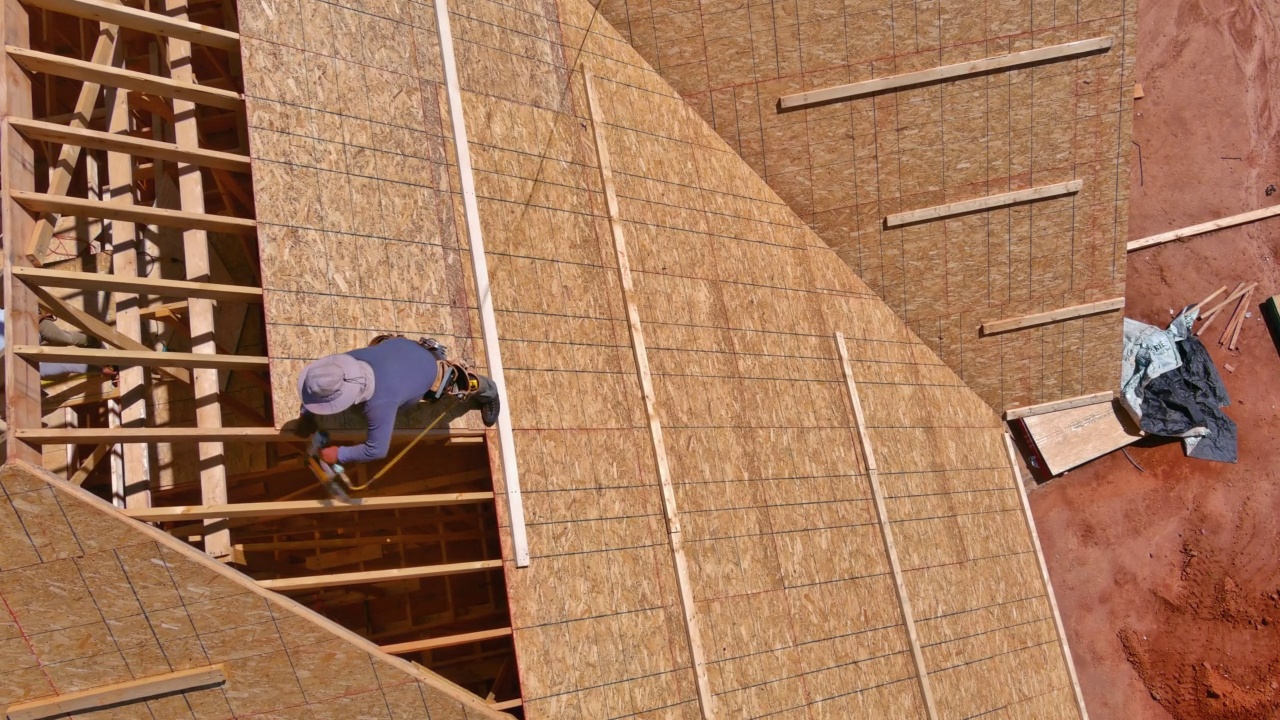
(53, 334)
(393, 372)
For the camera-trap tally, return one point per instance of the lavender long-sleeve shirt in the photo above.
(403, 371)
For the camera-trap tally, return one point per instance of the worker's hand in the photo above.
(330, 454)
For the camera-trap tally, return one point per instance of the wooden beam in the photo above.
(376, 576)
(507, 704)
(137, 285)
(93, 436)
(986, 203)
(1202, 228)
(139, 358)
(104, 52)
(886, 530)
(946, 72)
(1081, 401)
(200, 311)
(115, 142)
(86, 468)
(358, 541)
(17, 173)
(85, 71)
(62, 205)
(684, 586)
(143, 21)
(1030, 521)
(484, 296)
(444, 642)
(99, 329)
(79, 392)
(1052, 316)
(118, 693)
(338, 558)
(1212, 313)
(303, 507)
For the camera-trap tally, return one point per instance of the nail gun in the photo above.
(333, 477)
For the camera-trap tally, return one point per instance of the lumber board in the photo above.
(989, 202)
(484, 295)
(136, 358)
(303, 507)
(152, 287)
(80, 207)
(42, 62)
(93, 436)
(105, 52)
(1068, 438)
(338, 558)
(1052, 316)
(376, 576)
(143, 21)
(946, 72)
(87, 466)
(118, 693)
(1202, 228)
(1212, 313)
(886, 530)
(121, 143)
(1030, 522)
(1064, 404)
(447, 641)
(692, 622)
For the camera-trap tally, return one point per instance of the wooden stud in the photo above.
(118, 693)
(303, 507)
(444, 642)
(85, 71)
(377, 576)
(338, 558)
(143, 21)
(17, 173)
(1209, 299)
(484, 296)
(1213, 312)
(692, 621)
(886, 531)
(507, 704)
(1028, 411)
(1052, 316)
(1244, 308)
(143, 358)
(60, 180)
(137, 285)
(78, 391)
(1207, 227)
(946, 72)
(90, 436)
(79, 207)
(1044, 576)
(86, 468)
(986, 203)
(38, 130)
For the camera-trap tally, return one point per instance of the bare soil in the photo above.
(1169, 577)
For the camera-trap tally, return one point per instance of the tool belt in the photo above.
(452, 378)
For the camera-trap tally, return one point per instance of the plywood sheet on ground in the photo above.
(739, 300)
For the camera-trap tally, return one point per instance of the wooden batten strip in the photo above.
(114, 142)
(692, 621)
(118, 693)
(42, 62)
(303, 507)
(443, 642)
(142, 20)
(153, 287)
(139, 358)
(1052, 316)
(484, 296)
(886, 531)
(1044, 576)
(946, 72)
(316, 582)
(1226, 222)
(79, 207)
(1065, 404)
(990, 202)
(93, 436)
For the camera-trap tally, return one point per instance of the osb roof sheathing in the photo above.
(92, 599)
(843, 167)
(360, 225)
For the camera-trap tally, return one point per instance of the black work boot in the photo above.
(488, 401)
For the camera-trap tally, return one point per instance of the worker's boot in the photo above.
(486, 397)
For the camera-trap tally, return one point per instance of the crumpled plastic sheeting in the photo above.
(1149, 352)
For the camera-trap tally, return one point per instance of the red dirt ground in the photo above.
(1169, 579)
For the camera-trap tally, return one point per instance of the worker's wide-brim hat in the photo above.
(334, 383)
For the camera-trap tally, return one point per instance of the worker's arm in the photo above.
(382, 420)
